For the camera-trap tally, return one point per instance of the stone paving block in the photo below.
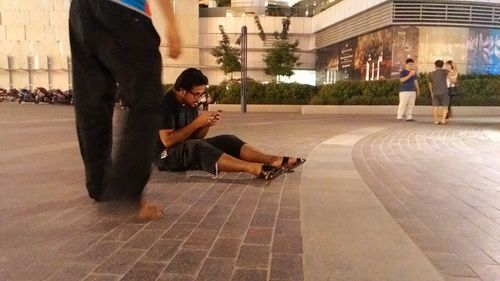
(450, 264)
(162, 251)
(226, 248)
(288, 227)
(263, 220)
(289, 214)
(216, 269)
(193, 194)
(187, 262)
(72, 272)
(99, 252)
(234, 228)
(123, 233)
(286, 267)
(287, 244)
(179, 231)
(144, 271)
(79, 244)
(214, 193)
(243, 274)
(220, 210)
(120, 262)
(232, 195)
(102, 277)
(196, 213)
(201, 239)
(143, 239)
(259, 235)
(176, 277)
(253, 256)
(212, 222)
(104, 226)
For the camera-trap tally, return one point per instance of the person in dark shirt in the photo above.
(182, 144)
(439, 92)
(409, 90)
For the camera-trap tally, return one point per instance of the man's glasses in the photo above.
(197, 95)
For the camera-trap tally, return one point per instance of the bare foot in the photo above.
(147, 211)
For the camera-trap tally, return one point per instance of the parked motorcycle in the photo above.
(4, 94)
(26, 96)
(42, 95)
(60, 97)
(13, 95)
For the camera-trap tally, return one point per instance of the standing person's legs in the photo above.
(412, 96)
(403, 101)
(449, 115)
(93, 90)
(131, 53)
(444, 100)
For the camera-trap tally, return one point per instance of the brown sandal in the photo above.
(289, 167)
(269, 172)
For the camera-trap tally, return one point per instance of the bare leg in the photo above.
(228, 163)
(435, 114)
(445, 113)
(250, 154)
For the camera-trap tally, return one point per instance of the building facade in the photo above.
(339, 39)
(374, 42)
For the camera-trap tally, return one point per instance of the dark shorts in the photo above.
(441, 100)
(199, 154)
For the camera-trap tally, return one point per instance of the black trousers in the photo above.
(196, 154)
(112, 44)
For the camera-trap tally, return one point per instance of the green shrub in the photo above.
(475, 90)
(272, 93)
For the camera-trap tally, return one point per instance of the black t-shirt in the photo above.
(174, 115)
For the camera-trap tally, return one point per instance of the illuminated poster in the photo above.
(373, 55)
(346, 62)
(442, 43)
(483, 49)
(404, 46)
(328, 65)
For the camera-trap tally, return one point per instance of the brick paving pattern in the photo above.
(236, 227)
(442, 185)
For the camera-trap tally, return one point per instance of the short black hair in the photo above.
(190, 78)
(410, 61)
(439, 63)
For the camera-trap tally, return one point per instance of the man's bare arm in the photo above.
(407, 77)
(170, 138)
(172, 34)
(200, 133)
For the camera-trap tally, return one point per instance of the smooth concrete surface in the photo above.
(348, 234)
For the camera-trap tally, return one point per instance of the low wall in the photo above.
(355, 109)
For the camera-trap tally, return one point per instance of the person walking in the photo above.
(451, 81)
(409, 90)
(114, 41)
(439, 93)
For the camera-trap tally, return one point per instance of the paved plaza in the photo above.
(376, 200)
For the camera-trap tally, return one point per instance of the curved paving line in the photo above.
(347, 232)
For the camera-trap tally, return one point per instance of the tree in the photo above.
(282, 58)
(223, 3)
(226, 55)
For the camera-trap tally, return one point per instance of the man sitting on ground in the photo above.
(183, 146)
